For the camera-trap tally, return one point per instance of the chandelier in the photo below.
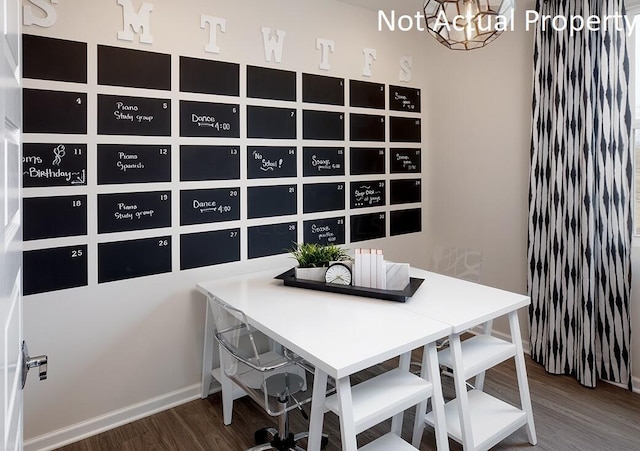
(467, 24)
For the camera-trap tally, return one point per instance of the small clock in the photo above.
(338, 273)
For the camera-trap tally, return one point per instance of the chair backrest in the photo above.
(233, 331)
(456, 262)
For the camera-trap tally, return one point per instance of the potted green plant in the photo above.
(314, 259)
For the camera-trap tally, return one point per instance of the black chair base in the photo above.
(271, 438)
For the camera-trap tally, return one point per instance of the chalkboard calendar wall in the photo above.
(289, 156)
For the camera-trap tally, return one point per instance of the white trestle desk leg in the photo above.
(396, 422)
(207, 354)
(479, 379)
(345, 403)
(461, 393)
(521, 370)
(316, 419)
(431, 372)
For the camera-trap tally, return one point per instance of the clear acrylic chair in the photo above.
(273, 378)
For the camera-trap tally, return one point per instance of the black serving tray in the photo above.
(290, 280)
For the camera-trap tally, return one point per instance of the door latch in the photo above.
(29, 362)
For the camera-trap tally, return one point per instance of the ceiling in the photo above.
(400, 6)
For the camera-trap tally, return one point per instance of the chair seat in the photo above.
(283, 384)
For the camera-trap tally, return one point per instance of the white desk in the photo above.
(341, 335)
(475, 419)
(338, 334)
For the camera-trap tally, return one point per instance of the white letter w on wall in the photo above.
(273, 46)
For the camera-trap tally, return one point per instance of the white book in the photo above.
(357, 268)
(373, 272)
(365, 255)
(381, 273)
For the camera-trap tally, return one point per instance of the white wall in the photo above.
(478, 143)
(123, 348)
(118, 350)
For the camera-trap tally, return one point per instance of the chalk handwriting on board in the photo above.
(54, 165)
(211, 121)
(324, 231)
(323, 161)
(404, 101)
(266, 164)
(368, 194)
(125, 112)
(405, 160)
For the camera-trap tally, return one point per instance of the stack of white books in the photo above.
(369, 269)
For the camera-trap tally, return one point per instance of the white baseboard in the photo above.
(525, 345)
(111, 420)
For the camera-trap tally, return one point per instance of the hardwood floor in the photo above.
(567, 417)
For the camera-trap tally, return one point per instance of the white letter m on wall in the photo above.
(136, 21)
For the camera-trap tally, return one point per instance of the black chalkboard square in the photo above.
(265, 162)
(133, 68)
(403, 222)
(366, 94)
(122, 260)
(269, 201)
(322, 89)
(318, 197)
(201, 206)
(53, 217)
(367, 194)
(406, 129)
(46, 58)
(322, 161)
(368, 227)
(133, 116)
(406, 161)
(122, 212)
(325, 231)
(271, 123)
(129, 163)
(209, 248)
(273, 84)
(54, 269)
(403, 98)
(406, 191)
(210, 120)
(54, 111)
(54, 164)
(323, 125)
(209, 163)
(367, 127)
(266, 240)
(209, 77)
(366, 160)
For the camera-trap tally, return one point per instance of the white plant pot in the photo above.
(315, 274)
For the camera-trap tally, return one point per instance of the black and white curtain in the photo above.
(580, 200)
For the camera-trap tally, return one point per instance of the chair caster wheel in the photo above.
(324, 442)
(261, 436)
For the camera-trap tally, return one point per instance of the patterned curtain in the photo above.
(580, 200)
